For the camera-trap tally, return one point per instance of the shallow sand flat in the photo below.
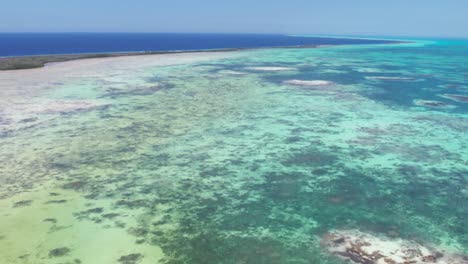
(29, 81)
(18, 88)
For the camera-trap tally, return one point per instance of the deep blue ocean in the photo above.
(20, 44)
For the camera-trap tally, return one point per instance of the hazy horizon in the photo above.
(384, 36)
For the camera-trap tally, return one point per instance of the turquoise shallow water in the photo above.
(227, 162)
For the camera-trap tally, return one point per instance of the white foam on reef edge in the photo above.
(308, 83)
(366, 248)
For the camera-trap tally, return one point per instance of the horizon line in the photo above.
(323, 35)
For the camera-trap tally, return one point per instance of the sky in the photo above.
(443, 18)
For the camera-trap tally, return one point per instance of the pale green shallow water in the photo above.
(224, 164)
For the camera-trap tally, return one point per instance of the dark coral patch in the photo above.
(59, 252)
(22, 203)
(110, 215)
(76, 185)
(96, 210)
(310, 157)
(56, 201)
(131, 258)
(51, 220)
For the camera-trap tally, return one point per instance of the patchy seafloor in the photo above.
(338, 154)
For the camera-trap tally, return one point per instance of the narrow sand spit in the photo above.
(365, 248)
(312, 83)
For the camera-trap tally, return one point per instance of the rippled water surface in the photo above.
(231, 161)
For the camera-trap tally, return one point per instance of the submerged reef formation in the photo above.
(433, 104)
(366, 248)
(390, 78)
(456, 97)
(270, 69)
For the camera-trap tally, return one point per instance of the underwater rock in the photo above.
(270, 68)
(432, 104)
(366, 248)
(456, 97)
(305, 83)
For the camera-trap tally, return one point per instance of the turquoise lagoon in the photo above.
(242, 159)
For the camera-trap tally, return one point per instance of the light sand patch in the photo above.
(268, 69)
(311, 83)
(64, 106)
(360, 247)
(25, 115)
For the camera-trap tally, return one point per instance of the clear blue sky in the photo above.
(361, 17)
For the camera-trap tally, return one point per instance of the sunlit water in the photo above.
(223, 162)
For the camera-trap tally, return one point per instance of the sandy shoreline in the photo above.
(38, 61)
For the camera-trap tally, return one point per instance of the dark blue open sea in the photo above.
(21, 44)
